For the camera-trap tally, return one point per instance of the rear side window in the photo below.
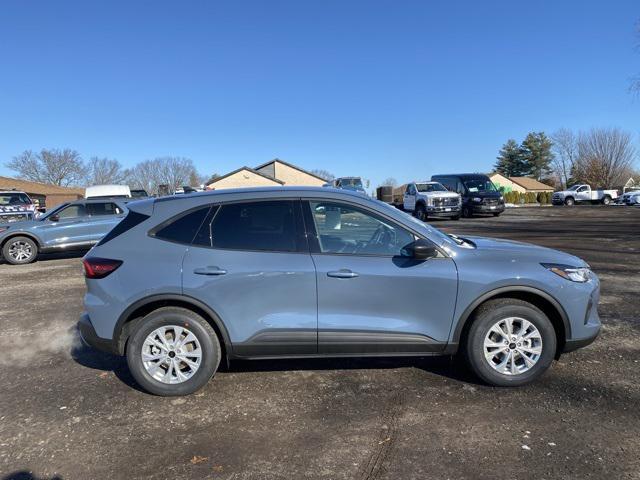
(263, 226)
(131, 220)
(106, 208)
(183, 228)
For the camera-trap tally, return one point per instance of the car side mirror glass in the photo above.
(54, 218)
(421, 250)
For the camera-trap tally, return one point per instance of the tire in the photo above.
(499, 310)
(606, 200)
(420, 212)
(456, 217)
(206, 340)
(20, 250)
(467, 212)
(569, 201)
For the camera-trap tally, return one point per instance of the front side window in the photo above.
(261, 226)
(106, 208)
(343, 229)
(72, 211)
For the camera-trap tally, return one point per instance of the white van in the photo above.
(108, 191)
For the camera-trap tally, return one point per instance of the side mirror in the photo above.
(421, 250)
(54, 218)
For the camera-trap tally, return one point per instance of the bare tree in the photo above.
(57, 167)
(104, 171)
(328, 176)
(565, 148)
(606, 157)
(172, 171)
(389, 182)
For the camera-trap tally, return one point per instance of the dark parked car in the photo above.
(479, 194)
(72, 226)
(187, 281)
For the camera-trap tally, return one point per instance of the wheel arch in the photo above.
(544, 301)
(21, 234)
(144, 306)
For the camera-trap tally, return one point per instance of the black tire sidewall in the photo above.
(475, 343)
(466, 212)
(421, 213)
(211, 351)
(8, 243)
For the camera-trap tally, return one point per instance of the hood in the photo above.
(484, 194)
(440, 194)
(512, 250)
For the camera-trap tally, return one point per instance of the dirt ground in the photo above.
(71, 413)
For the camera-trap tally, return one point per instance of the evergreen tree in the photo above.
(510, 160)
(536, 155)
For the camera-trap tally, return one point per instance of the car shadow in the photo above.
(450, 367)
(27, 475)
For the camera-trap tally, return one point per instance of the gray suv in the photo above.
(71, 226)
(185, 282)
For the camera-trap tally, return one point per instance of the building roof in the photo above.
(290, 166)
(8, 183)
(530, 183)
(249, 169)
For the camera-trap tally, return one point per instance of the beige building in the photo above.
(273, 173)
(518, 184)
(44, 194)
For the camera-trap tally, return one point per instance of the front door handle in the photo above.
(342, 273)
(209, 271)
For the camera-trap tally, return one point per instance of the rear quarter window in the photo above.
(182, 228)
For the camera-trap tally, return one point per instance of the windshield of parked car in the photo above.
(478, 185)
(351, 182)
(430, 187)
(13, 199)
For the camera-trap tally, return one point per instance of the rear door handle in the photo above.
(209, 271)
(342, 273)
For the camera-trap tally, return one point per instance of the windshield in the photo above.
(480, 185)
(14, 199)
(139, 194)
(430, 187)
(351, 182)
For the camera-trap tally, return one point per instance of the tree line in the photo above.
(601, 157)
(67, 168)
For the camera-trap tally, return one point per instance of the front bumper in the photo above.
(90, 337)
(572, 345)
(444, 211)
(481, 208)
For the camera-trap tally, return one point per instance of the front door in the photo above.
(251, 264)
(66, 228)
(371, 298)
(410, 198)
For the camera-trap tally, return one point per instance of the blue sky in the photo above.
(372, 88)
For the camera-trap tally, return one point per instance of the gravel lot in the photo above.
(71, 413)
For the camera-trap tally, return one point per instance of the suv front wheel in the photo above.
(173, 351)
(20, 250)
(510, 343)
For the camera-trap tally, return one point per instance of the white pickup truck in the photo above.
(425, 199)
(583, 193)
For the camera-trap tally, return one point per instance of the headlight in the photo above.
(477, 199)
(575, 274)
(429, 201)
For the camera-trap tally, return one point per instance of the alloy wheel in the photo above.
(20, 251)
(513, 346)
(171, 354)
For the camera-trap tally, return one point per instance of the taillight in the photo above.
(99, 267)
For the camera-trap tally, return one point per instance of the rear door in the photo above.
(251, 264)
(101, 218)
(371, 298)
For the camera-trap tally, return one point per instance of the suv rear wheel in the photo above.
(510, 342)
(173, 351)
(20, 250)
